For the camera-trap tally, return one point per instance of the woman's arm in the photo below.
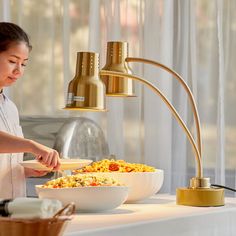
(13, 144)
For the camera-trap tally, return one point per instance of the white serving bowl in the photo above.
(87, 199)
(141, 184)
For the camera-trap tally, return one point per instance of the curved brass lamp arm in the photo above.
(187, 89)
(172, 109)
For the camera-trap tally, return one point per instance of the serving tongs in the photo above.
(65, 212)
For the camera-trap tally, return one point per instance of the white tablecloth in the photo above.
(158, 215)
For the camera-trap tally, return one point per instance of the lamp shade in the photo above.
(115, 61)
(86, 91)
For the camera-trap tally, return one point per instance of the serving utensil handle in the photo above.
(67, 210)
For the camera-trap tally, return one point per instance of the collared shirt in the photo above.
(12, 178)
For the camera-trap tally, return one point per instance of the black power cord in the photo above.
(221, 186)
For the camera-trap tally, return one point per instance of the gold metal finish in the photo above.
(200, 197)
(200, 182)
(115, 61)
(187, 89)
(86, 91)
(172, 109)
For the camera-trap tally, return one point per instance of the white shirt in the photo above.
(12, 178)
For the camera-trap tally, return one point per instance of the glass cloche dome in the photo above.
(81, 138)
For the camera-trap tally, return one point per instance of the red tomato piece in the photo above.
(114, 167)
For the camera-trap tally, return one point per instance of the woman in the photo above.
(14, 53)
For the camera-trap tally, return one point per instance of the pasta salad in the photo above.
(81, 180)
(112, 165)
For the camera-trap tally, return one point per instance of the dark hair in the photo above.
(12, 33)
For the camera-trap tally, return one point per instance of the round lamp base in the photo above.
(200, 196)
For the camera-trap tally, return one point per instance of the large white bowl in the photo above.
(141, 184)
(87, 199)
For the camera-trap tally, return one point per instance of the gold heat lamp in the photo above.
(117, 86)
(86, 92)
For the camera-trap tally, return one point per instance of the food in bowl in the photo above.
(89, 193)
(143, 181)
(107, 165)
(81, 180)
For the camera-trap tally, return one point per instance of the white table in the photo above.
(158, 215)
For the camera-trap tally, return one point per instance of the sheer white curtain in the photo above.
(195, 38)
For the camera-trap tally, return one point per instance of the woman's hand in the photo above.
(47, 156)
(34, 173)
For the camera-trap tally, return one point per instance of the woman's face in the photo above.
(12, 63)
